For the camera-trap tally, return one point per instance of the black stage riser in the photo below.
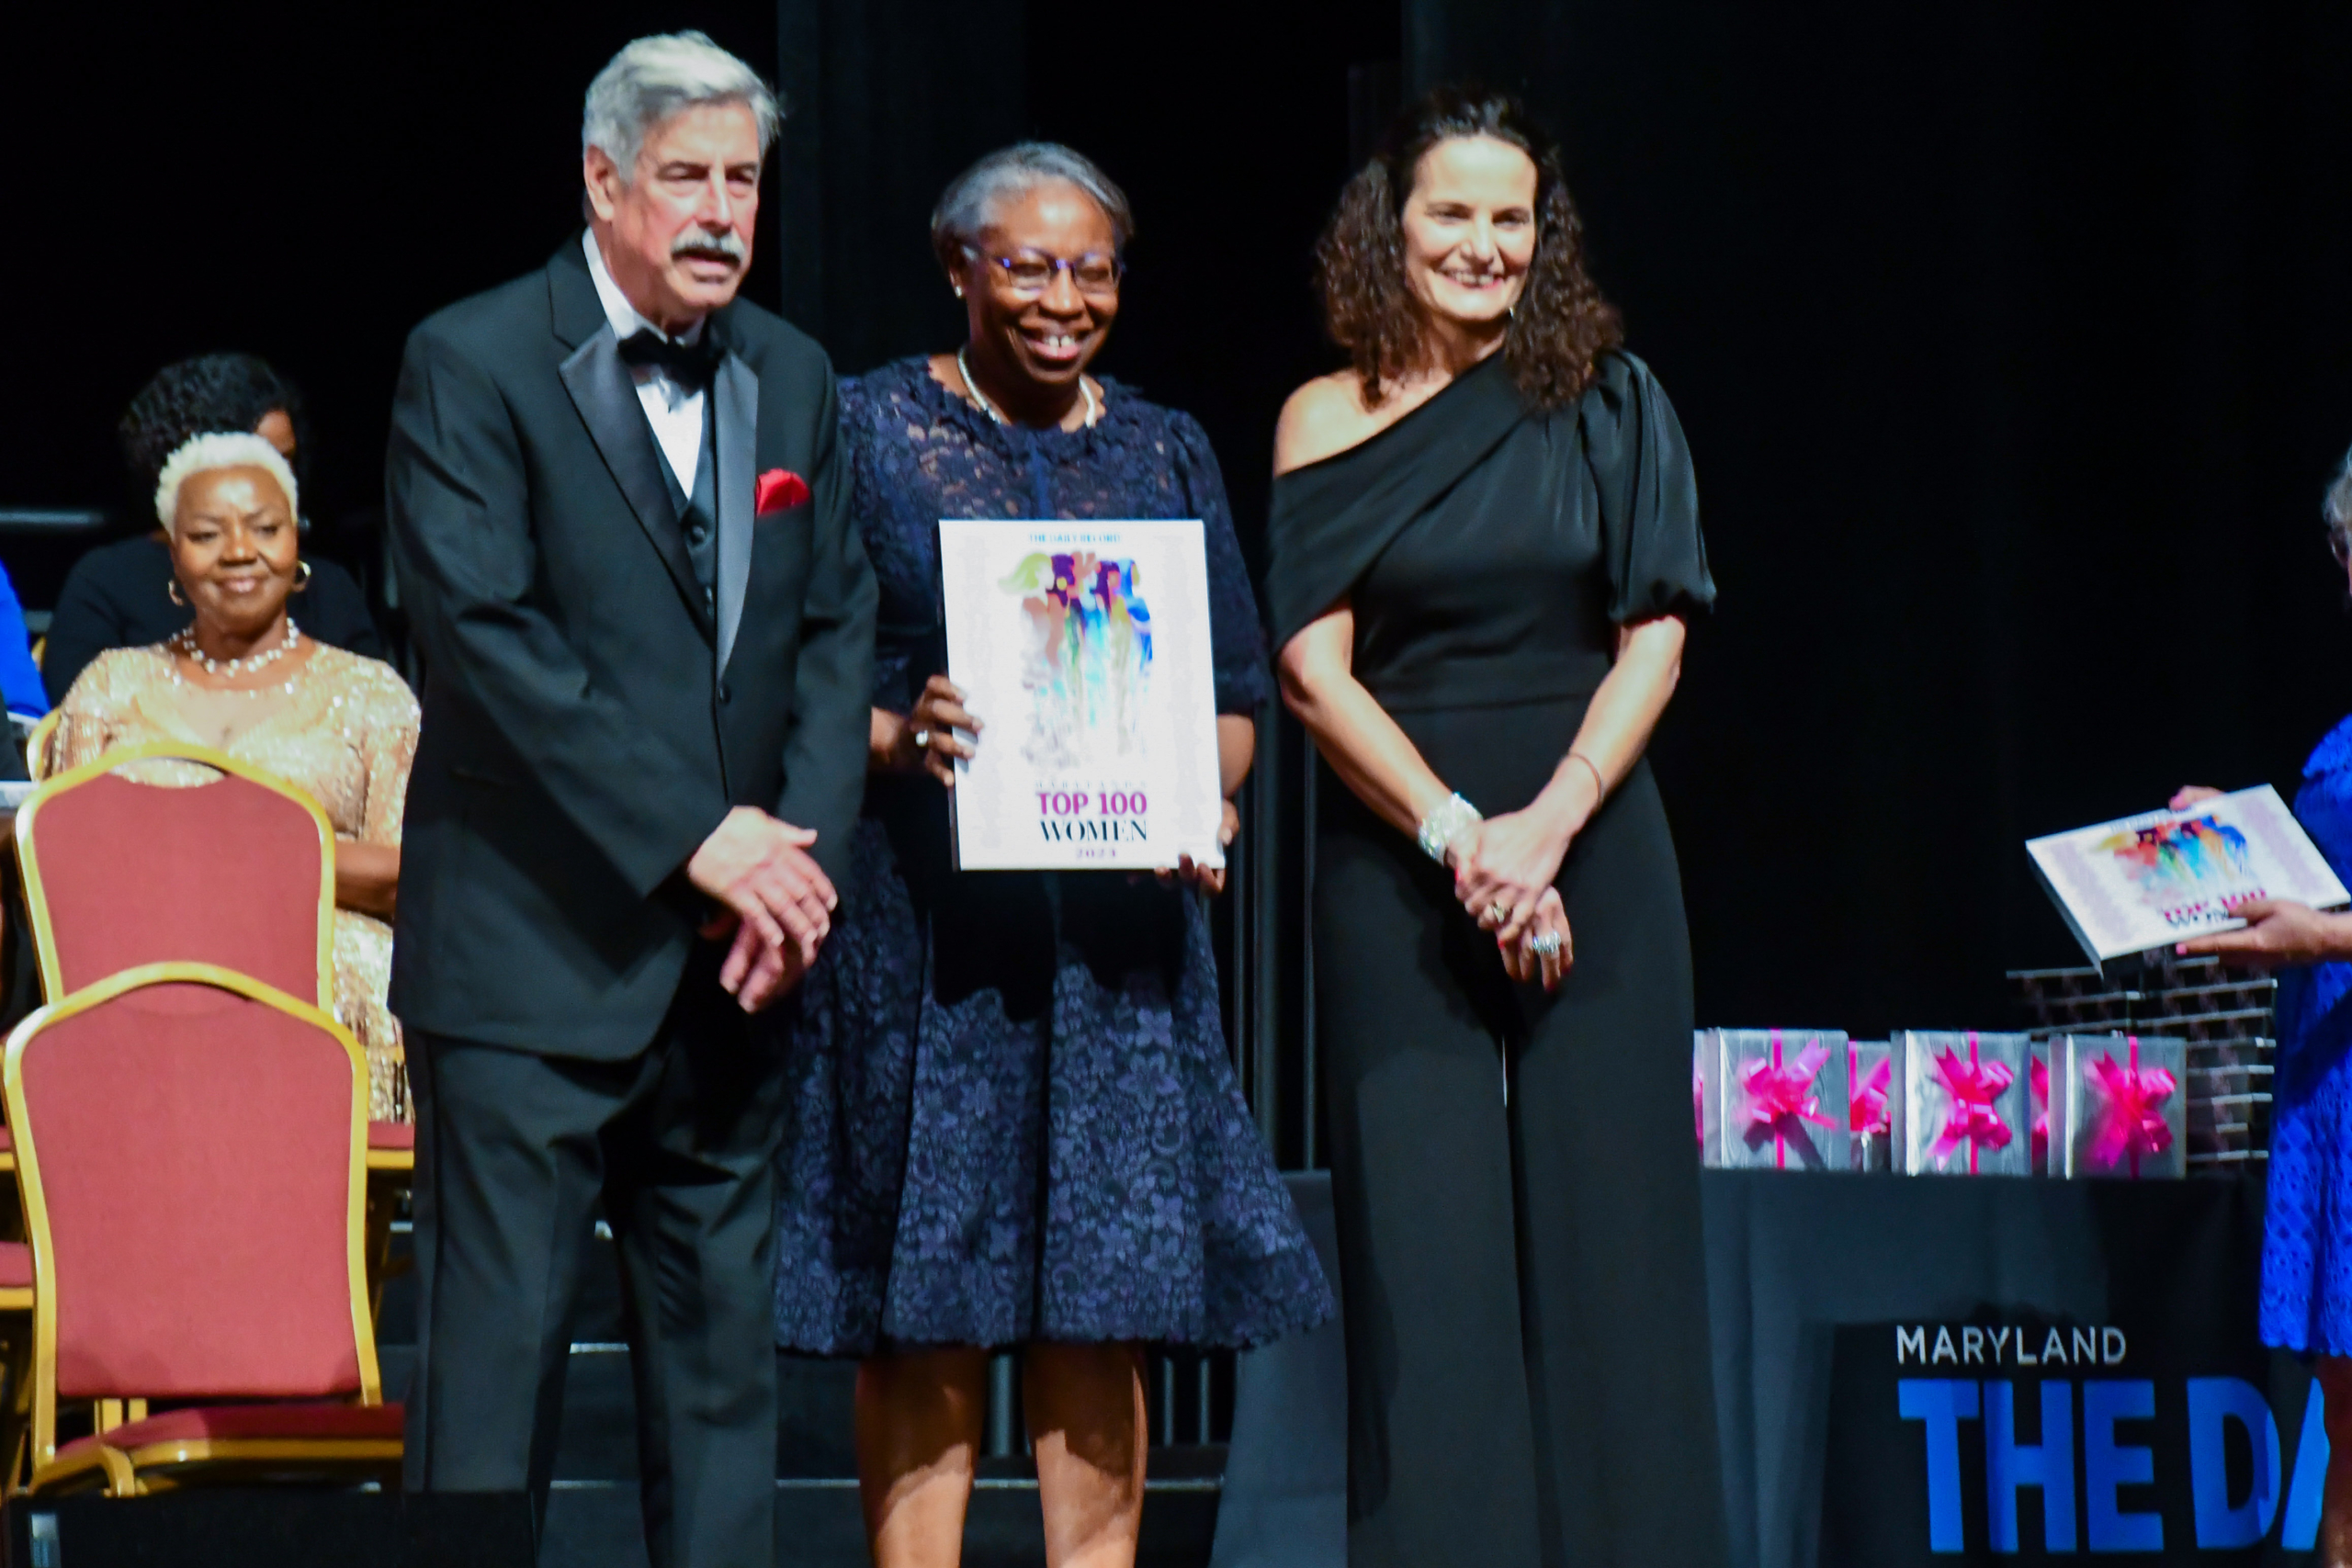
(283, 1527)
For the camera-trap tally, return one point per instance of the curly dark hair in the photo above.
(1561, 326)
(210, 392)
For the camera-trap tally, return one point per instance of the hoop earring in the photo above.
(302, 575)
(172, 591)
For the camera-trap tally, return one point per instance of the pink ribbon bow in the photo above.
(1972, 1120)
(2132, 1123)
(1780, 1098)
(1866, 1108)
(2041, 1115)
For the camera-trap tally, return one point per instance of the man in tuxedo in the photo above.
(620, 520)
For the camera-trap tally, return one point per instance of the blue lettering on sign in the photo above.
(1941, 1404)
(2213, 1403)
(2108, 1465)
(2224, 1523)
(2049, 1464)
(2300, 1532)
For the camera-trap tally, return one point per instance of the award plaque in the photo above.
(1083, 648)
(2145, 882)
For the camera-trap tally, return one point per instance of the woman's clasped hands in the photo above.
(1503, 869)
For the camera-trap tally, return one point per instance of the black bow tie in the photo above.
(688, 363)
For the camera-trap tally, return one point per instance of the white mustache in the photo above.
(727, 243)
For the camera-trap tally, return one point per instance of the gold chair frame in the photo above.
(128, 1471)
(37, 743)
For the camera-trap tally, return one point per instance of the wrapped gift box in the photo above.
(1874, 1106)
(1775, 1098)
(2119, 1106)
(1968, 1108)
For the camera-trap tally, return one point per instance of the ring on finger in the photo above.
(1498, 912)
(923, 740)
(1546, 944)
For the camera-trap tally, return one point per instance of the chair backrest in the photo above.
(237, 872)
(191, 1146)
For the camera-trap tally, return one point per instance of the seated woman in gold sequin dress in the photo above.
(243, 680)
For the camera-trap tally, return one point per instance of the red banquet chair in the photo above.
(191, 1146)
(238, 872)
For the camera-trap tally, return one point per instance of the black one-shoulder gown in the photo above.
(1518, 1192)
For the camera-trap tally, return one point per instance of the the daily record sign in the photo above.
(2001, 1441)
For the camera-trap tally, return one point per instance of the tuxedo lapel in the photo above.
(601, 390)
(738, 425)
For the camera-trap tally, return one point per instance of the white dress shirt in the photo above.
(673, 411)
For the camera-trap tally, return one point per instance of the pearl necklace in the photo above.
(964, 368)
(183, 642)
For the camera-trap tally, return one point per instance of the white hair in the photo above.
(653, 78)
(970, 203)
(220, 449)
(2336, 507)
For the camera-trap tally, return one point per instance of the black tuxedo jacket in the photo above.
(589, 718)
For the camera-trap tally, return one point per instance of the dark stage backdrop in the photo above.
(2013, 344)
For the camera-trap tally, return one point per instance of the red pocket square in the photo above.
(780, 489)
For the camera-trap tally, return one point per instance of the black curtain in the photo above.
(2013, 343)
(890, 99)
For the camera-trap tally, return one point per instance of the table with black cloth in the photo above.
(1814, 1282)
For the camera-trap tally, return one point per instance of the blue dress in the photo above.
(2307, 1236)
(1013, 1114)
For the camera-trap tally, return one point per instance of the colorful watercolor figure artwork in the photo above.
(2195, 860)
(1086, 659)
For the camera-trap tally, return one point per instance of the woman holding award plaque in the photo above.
(1485, 544)
(1017, 1124)
(2307, 1236)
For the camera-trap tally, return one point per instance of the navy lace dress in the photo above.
(1014, 1117)
(2307, 1236)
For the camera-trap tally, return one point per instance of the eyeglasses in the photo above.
(1029, 275)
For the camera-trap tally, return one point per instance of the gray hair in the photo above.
(2336, 507)
(653, 78)
(969, 204)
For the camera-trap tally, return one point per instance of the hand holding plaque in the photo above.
(936, 733)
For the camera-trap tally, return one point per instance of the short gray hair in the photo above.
(653, 78)
(2336, 507)
(969, 202)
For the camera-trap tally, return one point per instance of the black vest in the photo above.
(698, 512)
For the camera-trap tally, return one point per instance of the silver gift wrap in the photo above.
(1802, 1126)
(1934, 1117)
(1706, 1094)
(2119, 1107)
(1874, 1142)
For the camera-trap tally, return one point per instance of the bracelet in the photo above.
(1599, 785)
(1447, 821)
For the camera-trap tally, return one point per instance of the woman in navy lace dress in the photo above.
(2307, 1233)
(1017, 1124)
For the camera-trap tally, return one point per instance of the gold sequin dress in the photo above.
(345, 732)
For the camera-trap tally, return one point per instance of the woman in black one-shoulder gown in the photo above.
(1484, 545)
